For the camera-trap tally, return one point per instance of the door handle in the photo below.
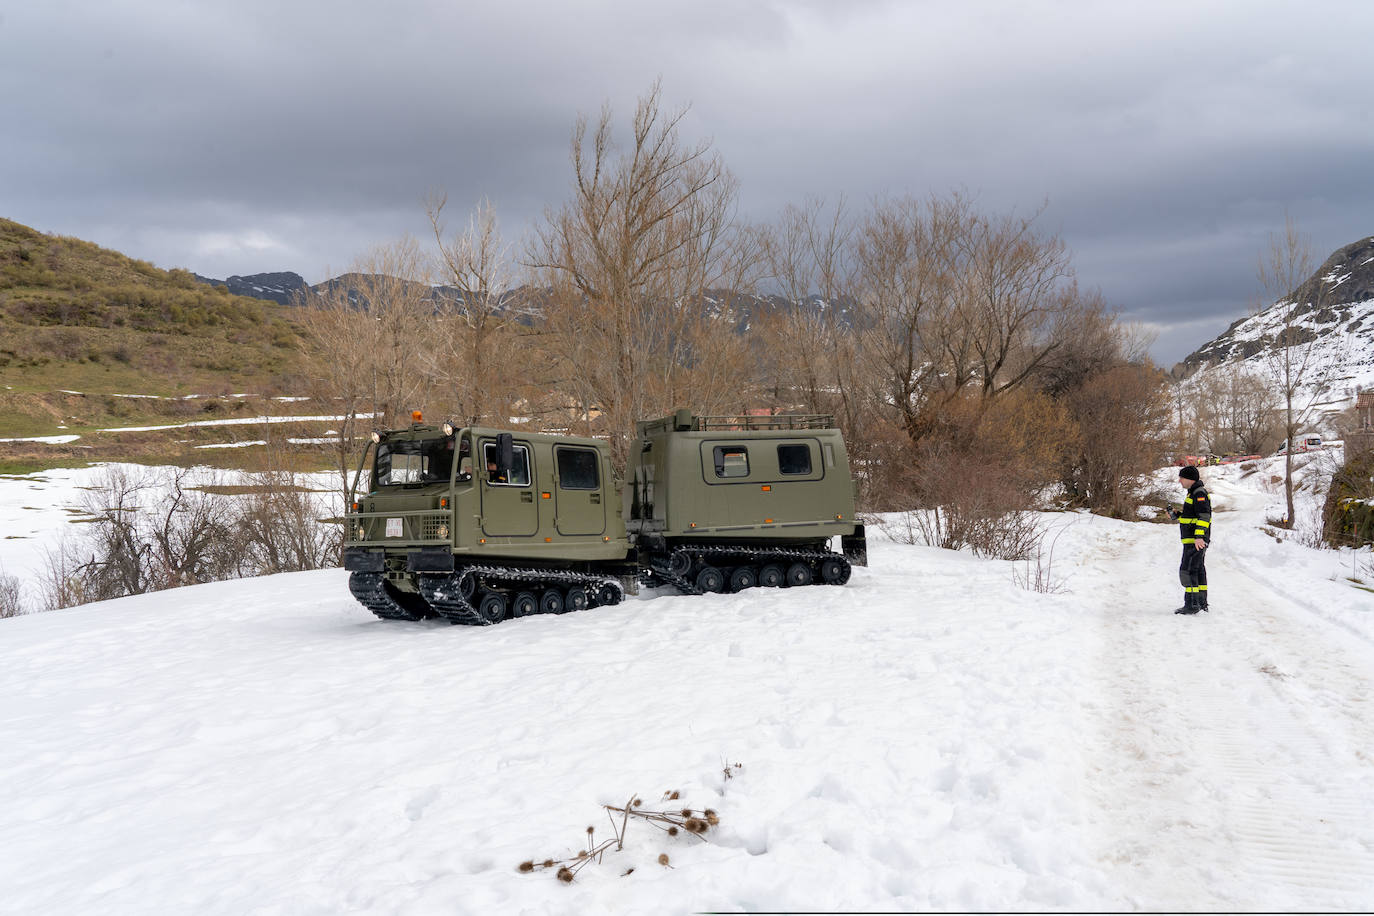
(596, 498)
(527, 497)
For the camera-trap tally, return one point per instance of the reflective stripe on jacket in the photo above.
(1195, 521)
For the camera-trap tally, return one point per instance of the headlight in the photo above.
(376, 436)
(442, 531)
(448, 429)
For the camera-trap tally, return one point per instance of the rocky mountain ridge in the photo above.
(1337, 299)
(280, 287)
(1332, 313)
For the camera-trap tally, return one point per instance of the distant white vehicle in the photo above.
(1305, 444)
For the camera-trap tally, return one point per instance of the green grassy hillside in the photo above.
(81, 324)
(75, 315)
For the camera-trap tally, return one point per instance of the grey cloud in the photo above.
(233, 138)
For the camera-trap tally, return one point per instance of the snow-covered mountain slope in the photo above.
(1332, 312)
(929, 737)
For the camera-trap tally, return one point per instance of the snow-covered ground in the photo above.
(928, 737)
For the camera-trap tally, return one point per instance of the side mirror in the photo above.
(505, 454)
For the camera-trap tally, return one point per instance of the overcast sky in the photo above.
(249, 136)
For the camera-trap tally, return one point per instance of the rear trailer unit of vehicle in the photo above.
(729, 503)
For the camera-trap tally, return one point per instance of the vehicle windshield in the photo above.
(414, 461)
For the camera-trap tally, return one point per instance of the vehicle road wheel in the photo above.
(742, 578)
(551, 602)
(492, 607)
(576, 599)
(607, 595)
(834, 571)
(680, 563)
(771, 576)
(799, 574)
(710, 579)
(524, 605)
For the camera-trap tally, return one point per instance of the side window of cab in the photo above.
(518, 475)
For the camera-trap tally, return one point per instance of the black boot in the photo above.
(1188, 608)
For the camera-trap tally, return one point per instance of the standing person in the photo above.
(1195, 530)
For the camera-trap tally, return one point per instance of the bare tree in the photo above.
(366, 342)
(1238, 408)
(809, 260)
(1291, 346)
(630, 262)
(1122, 419)
(477, 360)
(953, 300)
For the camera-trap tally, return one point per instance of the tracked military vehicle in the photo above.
(730, 503)
(474, 525)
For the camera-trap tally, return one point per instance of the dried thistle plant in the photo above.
(695, 822)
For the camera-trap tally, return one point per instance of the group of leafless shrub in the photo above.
(150, 530)
(11, 596)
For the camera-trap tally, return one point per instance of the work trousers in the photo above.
(1192, 572)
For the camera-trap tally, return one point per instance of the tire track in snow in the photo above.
(1309, 835)
(1215, 765)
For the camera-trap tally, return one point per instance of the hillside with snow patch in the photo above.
(931, 736)
(1333, 312)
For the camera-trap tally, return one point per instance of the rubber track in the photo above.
(442, 594)
(756, 556)
(369, 589)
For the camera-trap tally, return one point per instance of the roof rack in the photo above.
(779, 421)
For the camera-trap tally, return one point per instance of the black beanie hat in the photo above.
(1189, 473)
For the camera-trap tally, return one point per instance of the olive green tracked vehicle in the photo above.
(474, 525)
(729, 503)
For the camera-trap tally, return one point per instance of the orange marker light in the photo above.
(443, 502)
(766, 488)
(545, 495)
(481, 540)
(548, 540)
(768, 521)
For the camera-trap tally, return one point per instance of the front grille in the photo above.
(429, 526)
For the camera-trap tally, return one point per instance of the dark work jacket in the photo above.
(1195, 521)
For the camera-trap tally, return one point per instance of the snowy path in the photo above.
(1234, 736)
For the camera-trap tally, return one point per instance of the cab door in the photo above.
(508, 505)
(580, 501)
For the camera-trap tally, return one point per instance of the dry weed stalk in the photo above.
(694, 821)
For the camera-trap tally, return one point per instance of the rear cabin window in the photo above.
(732, 461)
(794, 459)
(578, 469)
(519, 473)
